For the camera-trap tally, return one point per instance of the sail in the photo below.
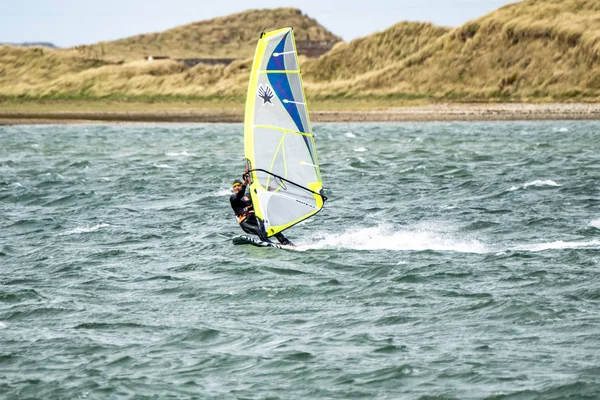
(286, 185)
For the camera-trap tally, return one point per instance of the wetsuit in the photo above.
(244, 212)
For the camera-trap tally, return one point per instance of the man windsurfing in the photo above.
(244, 212)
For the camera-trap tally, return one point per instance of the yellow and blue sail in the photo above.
(279, 145)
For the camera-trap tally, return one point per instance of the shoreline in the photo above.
(424, 113)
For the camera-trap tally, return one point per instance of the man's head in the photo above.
(237, 185)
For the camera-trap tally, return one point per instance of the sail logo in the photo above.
(304, 203)
(266, 94)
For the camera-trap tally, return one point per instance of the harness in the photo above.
(241, 218)
(242, 207)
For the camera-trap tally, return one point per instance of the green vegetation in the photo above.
(535, 50)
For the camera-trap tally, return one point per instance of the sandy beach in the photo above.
(437, 112)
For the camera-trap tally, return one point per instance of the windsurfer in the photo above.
(244, 212)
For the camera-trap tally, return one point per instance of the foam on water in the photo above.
(546, 182)
(416, 238)
(595, 223)
(559, 245)
(223, 192)
(536, 183)
(85, 229)
(180, 154)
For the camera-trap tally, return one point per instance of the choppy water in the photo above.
(453, 260)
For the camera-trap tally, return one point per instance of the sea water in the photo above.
(452, 260)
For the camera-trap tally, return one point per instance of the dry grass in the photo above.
(536, 50)
(24, 66)
(347, 60)
(232, 36)
(26, 73)
(99, 71)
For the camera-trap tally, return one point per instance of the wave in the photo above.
(418, 238)
(595, 223)
(428, 236)
(85, 229)
(536, 183)
(559, 245)
(180, 154)
(223, 192)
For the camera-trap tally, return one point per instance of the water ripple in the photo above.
(452, 260)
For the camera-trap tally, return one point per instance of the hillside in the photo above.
(347, 60)
(31, 44)
(118, 69)
(47, 74)
(232, 36)
(26, 71)
(536, 49)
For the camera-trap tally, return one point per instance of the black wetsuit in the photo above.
(242, 206)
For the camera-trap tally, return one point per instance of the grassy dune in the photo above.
(117, 70)
(232, 36)
(536, 51)
(24, 70)
(137, 79)
(347, 60)
(140, 81)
